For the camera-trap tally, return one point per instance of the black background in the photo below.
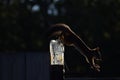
(97, 22)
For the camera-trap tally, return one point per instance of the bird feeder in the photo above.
(56, 52)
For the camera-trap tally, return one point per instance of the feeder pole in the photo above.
(56, 60)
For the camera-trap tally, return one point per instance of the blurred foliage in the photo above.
(23, 22)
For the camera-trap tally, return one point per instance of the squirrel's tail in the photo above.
(56, 30)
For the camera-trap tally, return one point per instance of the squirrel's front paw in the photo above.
(97, 67)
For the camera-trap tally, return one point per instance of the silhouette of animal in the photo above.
(69, 38)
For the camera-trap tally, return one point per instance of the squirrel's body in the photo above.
(69, 38)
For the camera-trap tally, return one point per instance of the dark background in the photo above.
(97, 22)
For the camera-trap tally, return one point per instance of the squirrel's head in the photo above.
(97, 53)
(96, 58)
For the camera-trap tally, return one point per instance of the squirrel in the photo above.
(68, 37)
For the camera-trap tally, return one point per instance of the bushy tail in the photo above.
(56, 30)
